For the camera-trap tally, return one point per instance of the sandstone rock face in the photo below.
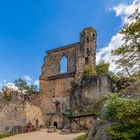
(89, 90)
(133, 90)
(99, 130)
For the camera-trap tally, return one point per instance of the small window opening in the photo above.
(93, 36)
(64, 65)
(86, 60)
(57, 107)
(88, 52)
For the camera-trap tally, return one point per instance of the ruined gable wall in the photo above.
(51, 67)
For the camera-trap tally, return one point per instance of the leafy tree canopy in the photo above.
(129, 52)
(102, 67)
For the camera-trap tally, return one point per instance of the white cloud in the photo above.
(36, 83)
(123, 11)
(11, 86)
(27, 78)
(105, 53)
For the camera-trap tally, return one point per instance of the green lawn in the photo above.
(5, 135)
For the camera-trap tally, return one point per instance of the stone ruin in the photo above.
(18, 112)
(57, 98)
(57, 85)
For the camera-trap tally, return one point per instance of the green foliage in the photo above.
(136, 76)
(129, 131)
(82, 137)
(119, 81)
(126, 113)
(7, 93)
(5, 135)
(89, 71)
(102, 67)
(24, 87)
(129, 52)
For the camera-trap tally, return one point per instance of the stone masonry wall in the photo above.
(34, 114)
(11, 114)
(19, 113)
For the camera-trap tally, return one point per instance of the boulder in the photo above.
(99, 130)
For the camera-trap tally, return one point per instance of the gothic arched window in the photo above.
(64, 65)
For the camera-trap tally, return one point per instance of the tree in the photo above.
(7, 93)
(23, 86)
(129, 52)
(125, 112)
(102, 67)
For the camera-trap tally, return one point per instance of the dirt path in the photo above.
(43, 135)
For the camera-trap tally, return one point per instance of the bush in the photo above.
(102, 67)
(82, 137)
(89, 71)
(126, 113)
(5, 135)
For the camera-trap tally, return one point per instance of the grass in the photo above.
(82, 137)
(5, 135)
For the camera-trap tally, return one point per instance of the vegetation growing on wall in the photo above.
(89, 71)
(102, 68)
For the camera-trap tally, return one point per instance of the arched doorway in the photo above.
(55, 124)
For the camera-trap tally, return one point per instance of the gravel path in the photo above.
(43, 135)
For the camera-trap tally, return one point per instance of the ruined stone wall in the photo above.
(34, 114)
(58, 91)
(56, 86)
(19, 113)
(11, 114)
(80, 55)
(51, 66)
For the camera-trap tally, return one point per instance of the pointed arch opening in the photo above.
(64, 65)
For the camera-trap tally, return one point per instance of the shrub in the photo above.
(5, 135)
(82, 137)
(89, 71)
(102, 67)
(126, 113)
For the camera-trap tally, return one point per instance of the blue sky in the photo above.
(30, 27)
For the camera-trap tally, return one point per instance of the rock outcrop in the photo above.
(99, 130)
